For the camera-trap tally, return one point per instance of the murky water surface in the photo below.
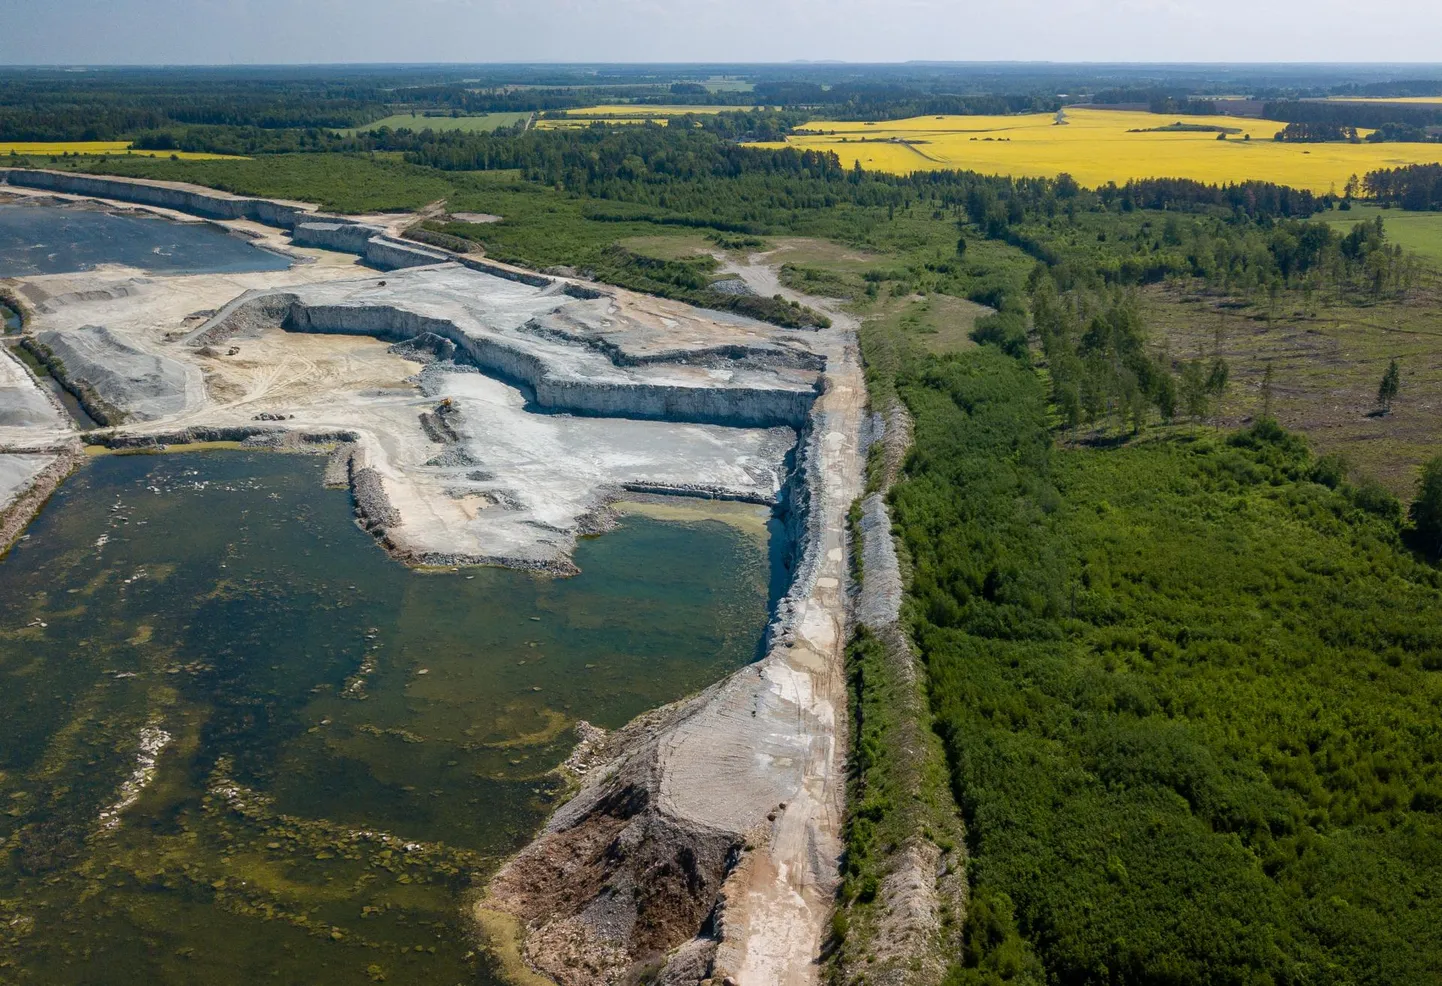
(48, 239)
(238, 744)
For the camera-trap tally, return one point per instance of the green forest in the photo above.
(1189, 692)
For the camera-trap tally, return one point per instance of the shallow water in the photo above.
(246, 746)
(49, 239)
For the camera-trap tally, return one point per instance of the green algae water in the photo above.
(238, 744)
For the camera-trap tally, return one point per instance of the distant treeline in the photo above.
(895, 102)
(1316, 133)
(245, 141)
(104, 108)
(1344, 113)
(1401, 89)
(1403, 133)
(511, 99)
(1325, 131)
(686, 146)
(1168, 101)
(1254, 199)
(1417, 186)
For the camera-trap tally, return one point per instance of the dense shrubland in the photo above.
(1189, 689)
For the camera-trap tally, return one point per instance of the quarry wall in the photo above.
(211, 205)
(747, 407)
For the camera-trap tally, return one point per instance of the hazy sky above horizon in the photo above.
(94, 32)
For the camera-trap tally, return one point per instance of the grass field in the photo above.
(93, 147)
(1386, 99)
(725, 83)
(643, 110)
(1419, 232)
(1095, 147)
(623, 113)
(470, 124)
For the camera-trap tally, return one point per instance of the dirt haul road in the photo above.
(786, 892)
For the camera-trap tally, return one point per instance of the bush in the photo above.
(1006, 330)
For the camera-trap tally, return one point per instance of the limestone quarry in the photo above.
(483, 414)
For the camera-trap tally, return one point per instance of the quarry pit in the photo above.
(484, 414)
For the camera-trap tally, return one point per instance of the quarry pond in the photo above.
(48, 239)
(238, 743)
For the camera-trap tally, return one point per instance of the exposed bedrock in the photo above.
(329, 235)
(345, 237)
(389, 254)
(514, 331)
(116, 381)
(517, 487)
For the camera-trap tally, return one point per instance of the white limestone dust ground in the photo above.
(28, 417)
(18, 471)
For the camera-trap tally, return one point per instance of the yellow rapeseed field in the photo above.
(1095, 147)
(54, 148)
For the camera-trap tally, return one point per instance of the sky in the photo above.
(194, 32)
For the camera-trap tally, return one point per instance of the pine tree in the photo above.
(1194, 389)
(1267, 380)
(1391, 382)
(1427, 508)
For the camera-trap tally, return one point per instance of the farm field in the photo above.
(1421, 100)
(1419, 232)
(1097, 146)
(484, 122)
(624, 113)
(93, 147)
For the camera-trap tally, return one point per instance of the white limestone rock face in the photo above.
(600, 356)
(519, 486)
